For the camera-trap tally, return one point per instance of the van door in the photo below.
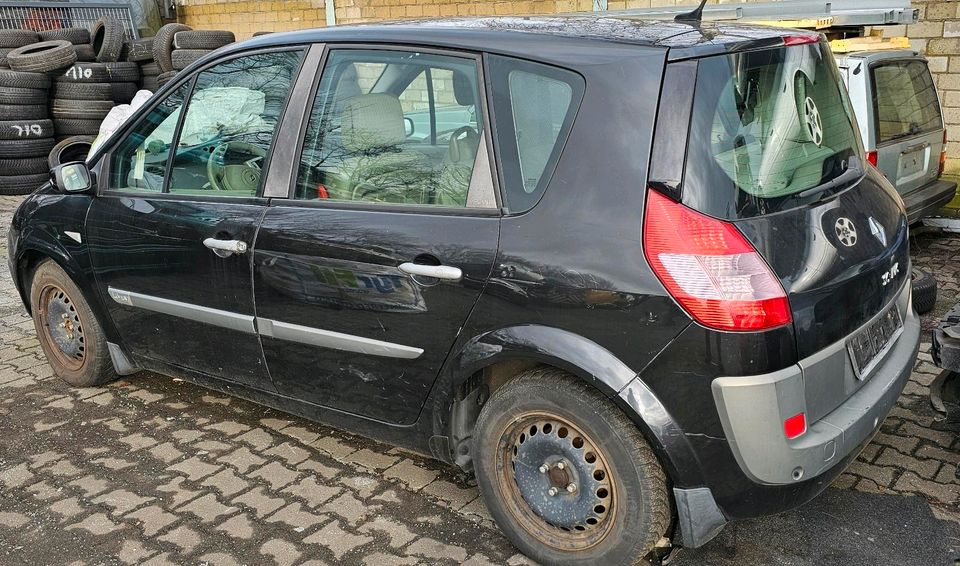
(908, 122)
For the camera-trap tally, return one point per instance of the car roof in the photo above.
(522, 34)
(878, 55)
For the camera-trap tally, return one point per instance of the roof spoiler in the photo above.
(693, 17)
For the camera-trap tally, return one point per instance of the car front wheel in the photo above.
(69, 333)
(566, 475)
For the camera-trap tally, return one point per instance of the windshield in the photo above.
(768, 129)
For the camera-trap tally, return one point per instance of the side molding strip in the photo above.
(215, 317)
(335, 340)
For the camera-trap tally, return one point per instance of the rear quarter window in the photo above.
(905, 100)
(534, 106)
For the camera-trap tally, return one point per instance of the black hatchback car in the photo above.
(637, 277)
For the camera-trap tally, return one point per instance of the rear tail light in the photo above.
(873, 158)
(800, 39)
(795, 426)
(710, 269)
(943, 156)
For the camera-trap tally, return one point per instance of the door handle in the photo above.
(447, 272)
(224, 248)
(915, 147)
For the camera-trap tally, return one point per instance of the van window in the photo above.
(768, 128)
(904, 100)
(534, 106)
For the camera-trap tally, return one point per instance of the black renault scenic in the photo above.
(637, 277)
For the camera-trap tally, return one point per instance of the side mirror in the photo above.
(408, 127)
(72, 177)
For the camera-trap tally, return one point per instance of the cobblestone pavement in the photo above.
(156, 470)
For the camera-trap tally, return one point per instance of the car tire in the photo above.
(82, 91)
(203, 39)
(85, 53)
(42, 57)
(924, 291)
(119, 72)
(123, 93)
(14, 95)
(163, 45)
(24, 166)
(626, 509)
(23, 111)
(183, 58)
(77, 353)
(21, 130)
(164, 78)
(13, 38)
(73, 127)
(140, 50)
(106, 36)
(149, 69)
(66, 109)
(73, 148)
(22, 184)
(3, 57)
(17, 79)
(76, 36)
(33, 147)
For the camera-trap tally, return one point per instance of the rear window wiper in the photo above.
(853, 173)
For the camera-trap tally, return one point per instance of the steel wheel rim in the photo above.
(61, 327)
(582, 458)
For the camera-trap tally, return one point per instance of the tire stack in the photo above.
(10, 39)
(163, 51)
(78, 37)
(26, 132)
(140, 51)
(84, 94)
(176, 47)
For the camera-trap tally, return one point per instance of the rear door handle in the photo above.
(915, 147)
(224, 248)
(447, 272)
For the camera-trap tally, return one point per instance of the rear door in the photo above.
(907, 122)
(366, 274)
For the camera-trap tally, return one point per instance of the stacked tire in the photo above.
(78, 37)
(11, 39)
(176, 47)
(26, 133)
(163, 51)
(140, 51)
(84, 94)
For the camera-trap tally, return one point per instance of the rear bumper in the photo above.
(928, 199)
(752, 409)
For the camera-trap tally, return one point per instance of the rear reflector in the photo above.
(710, 269)
(873, 158)
(795, 425)
(943, 156)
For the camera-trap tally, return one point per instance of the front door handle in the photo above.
(225, 248)
(447, 272)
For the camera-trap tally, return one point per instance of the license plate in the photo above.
(867, 345)
(911, 163)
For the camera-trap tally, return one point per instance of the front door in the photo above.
(171, 230)
(365, 276)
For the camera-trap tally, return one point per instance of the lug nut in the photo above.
(552, 491)
(571, 488)
(544, 468)
(560, 465)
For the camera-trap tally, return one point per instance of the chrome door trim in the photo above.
(206, 315)
(335, 340)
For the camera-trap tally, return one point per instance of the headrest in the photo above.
(372, 121)
(463, 89)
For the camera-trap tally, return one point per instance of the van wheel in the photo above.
(566, 475)
(71, 337)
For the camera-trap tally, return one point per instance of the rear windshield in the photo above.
(904, 100)
(768, 128)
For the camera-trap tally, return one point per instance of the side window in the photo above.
(396, 127)
(231, 120)
(534, 106)
(140, 161)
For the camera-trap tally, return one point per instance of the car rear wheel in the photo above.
(69, 333)
(566, 475)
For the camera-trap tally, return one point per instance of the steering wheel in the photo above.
(244, 177)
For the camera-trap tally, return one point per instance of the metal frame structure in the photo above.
(71, 13)
(841, 12)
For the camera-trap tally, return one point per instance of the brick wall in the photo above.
(937, 35)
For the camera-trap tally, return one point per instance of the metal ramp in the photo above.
(840, 13)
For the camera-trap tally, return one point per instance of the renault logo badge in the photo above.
(877, 230)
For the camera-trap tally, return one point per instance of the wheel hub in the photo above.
(560, 476)
(63, 324)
